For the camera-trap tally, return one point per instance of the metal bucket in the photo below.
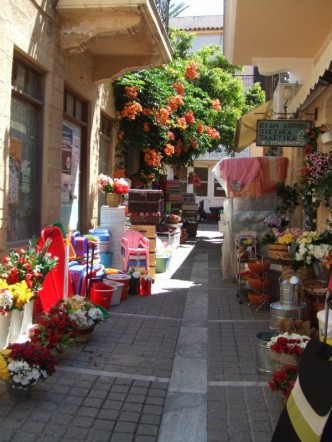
(289, 292)
(263, 361)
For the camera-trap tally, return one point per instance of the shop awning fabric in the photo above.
(245, 133)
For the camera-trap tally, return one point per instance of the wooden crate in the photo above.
(148, 230)
(278, 251)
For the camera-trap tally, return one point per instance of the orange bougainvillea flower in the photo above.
(170, 135)
(119, 173)
(179, 88)
(191, 72)
(169, 149)
(175, 102)
(131, 91)
(162, 116)
(194, 143)
(146, 127)
(131, 109)
(216, 105)
(200, 128)
(181, 123)
(189, 116)
(212, 133)
(120, 135)
(152, 157)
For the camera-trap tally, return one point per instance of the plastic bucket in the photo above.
(116, 296)
(162, 264)
(124, 279)
(321, 326)
(106, 259)
(263, 360)
(101, 294)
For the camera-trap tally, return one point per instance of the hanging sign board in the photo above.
(290, 133)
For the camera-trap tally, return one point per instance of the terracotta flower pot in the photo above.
(259, 267)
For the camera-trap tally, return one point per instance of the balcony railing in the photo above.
(163, 9)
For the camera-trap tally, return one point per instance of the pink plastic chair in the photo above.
(135, 246)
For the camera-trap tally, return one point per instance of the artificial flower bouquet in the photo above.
(83, 312)
(56, 330)
(24, 364)
(277, 221)
(289, 236)
(30, 265)
(289, 343)
(284, 379)
(14, 296)
(286, 349)
(313, 248)
(112, 185)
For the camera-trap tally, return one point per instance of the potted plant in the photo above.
(114, 188)
(85, 314)
(22, 365)
(286, 349)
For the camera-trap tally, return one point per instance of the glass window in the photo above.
(25, 155)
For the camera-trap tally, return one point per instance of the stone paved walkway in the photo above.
(175, 366)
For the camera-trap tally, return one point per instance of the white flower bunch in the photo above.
(6, 300)
(293, 339)
(310, 253)
(22, 374)
(83, 312)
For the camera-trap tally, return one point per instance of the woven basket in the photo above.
(113, 199)
(281, 359)
(85, 333)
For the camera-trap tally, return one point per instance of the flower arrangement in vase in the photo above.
(286, 349)
(30, 265)
(112, 185)
(115, 189)
(22, 365)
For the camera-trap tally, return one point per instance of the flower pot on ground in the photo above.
(22, 365)
(258, 284)
(287, 349)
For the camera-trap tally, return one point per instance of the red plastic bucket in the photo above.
(101, 294)
(124, 279)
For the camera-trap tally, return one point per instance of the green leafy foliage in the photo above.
(177, 112)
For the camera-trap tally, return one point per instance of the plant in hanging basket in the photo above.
(284, 379)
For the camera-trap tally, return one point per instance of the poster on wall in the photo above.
(67, 142)
(15, 157)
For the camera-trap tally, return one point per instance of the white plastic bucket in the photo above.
(321, 326)
(116, 296)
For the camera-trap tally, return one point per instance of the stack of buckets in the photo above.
(122, 279)
(102, 294)
(104, 238)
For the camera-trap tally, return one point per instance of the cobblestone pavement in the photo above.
(175, 366)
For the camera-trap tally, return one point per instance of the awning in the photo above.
(245, 133)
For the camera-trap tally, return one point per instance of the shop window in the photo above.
(25, 153)
(104, 163)
(75, 163)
